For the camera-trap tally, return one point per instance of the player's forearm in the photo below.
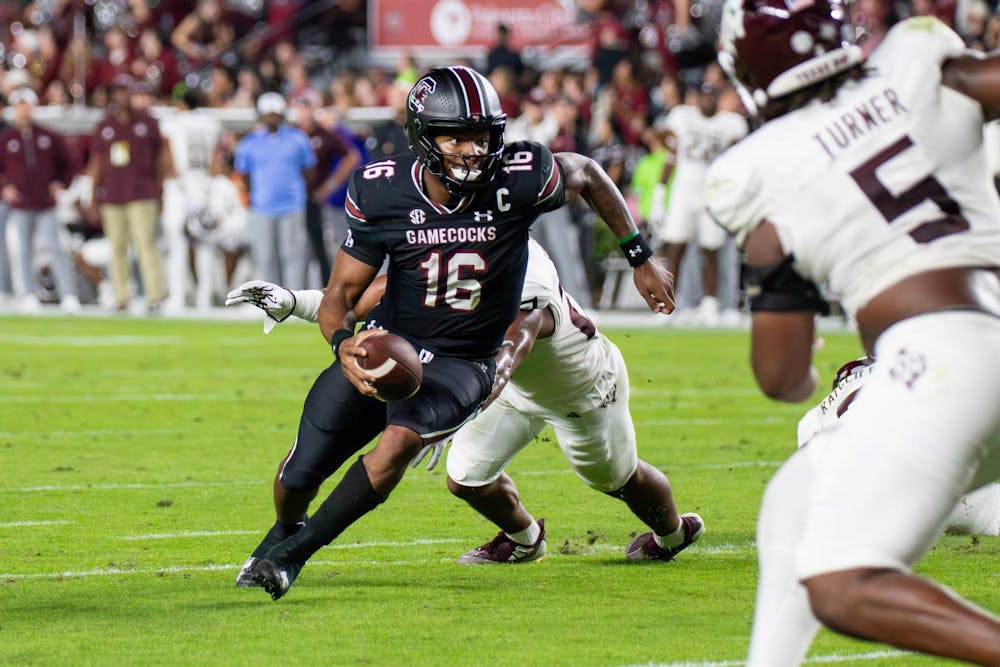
(606, 200)
(522, 341)
(333, 311)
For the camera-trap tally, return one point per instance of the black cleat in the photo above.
(273, 537)
(275, 578)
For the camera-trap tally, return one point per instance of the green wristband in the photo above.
(628, 238)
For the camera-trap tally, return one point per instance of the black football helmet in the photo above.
(455, 99)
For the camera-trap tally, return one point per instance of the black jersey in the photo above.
(455, 272)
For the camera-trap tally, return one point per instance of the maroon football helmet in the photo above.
(771, 48)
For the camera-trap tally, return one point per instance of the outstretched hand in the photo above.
(656, 285)
(435, 449)
(276, 301)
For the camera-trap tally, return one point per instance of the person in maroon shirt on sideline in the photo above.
(155, 64)
(322, 181)
(116, 61)
(128, 161)
(35, 164)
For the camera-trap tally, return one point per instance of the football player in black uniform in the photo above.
(452, 217)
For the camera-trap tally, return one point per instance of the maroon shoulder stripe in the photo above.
(550, 185)
(353, 210)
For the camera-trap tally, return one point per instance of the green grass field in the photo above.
(136, 459)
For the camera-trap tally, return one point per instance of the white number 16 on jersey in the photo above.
(460, 291)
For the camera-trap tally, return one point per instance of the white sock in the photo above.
(528, 535)
(672, 540)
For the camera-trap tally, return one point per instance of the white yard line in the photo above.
(131, 341)
(117, 398)
(221, 533)
(816, 659)
(91, 432)
(106, 487)
(87, 432)
(188, 533)
(650, 390)
(680, 421)
(20, 524)
(598, 550)
(669, 467)
(519, 473)
(727, 466)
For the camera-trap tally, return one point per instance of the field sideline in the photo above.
(138, 456)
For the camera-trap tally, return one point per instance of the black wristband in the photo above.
(338, 337)
(635, 248)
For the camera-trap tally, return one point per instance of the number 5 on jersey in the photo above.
(892, 206)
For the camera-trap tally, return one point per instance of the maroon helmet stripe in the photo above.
(472, 93)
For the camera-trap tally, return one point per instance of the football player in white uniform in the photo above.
(698, 133)
(575, 380)
(977, 513)
(193, 137)
(870, 176)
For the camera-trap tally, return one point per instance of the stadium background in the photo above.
(600, 72)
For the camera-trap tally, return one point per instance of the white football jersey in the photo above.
(700, 139)
(887, 180)
(193, 137)
(573, 368)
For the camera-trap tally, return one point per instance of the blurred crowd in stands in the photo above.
(155, 205)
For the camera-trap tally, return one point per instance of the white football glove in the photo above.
(436, 449)
(276, 301)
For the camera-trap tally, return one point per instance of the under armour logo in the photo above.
(417, 216)
(425, 356)
(482, 216)
(372, 325)
(634, 251)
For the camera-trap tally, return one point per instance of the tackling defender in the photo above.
(452, 217)
(575, 380)
(870, 176)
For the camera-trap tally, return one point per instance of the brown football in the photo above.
(395, 365)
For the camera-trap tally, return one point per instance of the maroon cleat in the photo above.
(644, 547)
(502, 549)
